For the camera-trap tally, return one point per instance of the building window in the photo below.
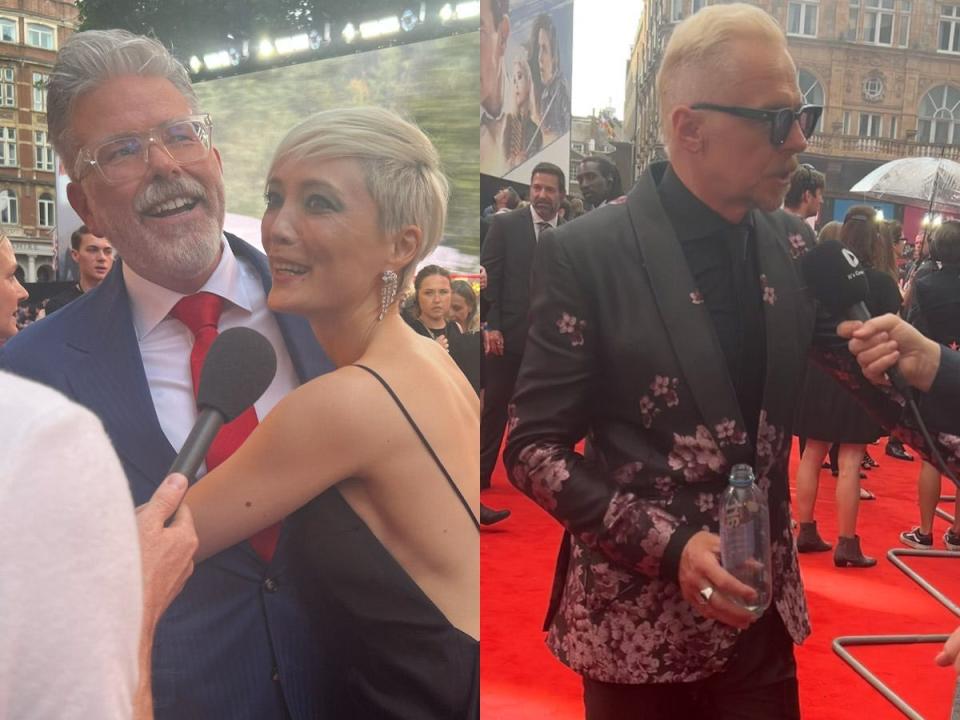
(870, 125)
(676, 10)
(903, 23)
(40, 36)
(939, 116)
(949, 29)
(802, 19)
(43, 153)
(810, 88)
(878, 22)
(698, 5)
(873, 89)
(8, 30)
(9, 213)
(8, 87)
(893, 127)
(45, 211)
(40, 92)
(847, 117)
(853, 20)
(8, 147)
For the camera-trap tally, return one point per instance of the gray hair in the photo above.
(401, 167)
(88, 59)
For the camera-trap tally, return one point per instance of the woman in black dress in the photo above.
(372, 466)
(829, 414)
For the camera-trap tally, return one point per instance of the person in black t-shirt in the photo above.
(94, 257)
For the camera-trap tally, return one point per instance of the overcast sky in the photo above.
(603, 32)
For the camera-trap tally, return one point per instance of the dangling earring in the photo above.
(388, 292)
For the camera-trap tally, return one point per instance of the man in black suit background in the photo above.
(507, 256)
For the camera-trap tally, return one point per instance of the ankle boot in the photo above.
(489, 516)
(809, 540)
(848, 553)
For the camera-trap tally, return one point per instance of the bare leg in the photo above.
(808, 478)
(848, 489)
(928, 490)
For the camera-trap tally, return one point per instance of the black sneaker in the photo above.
(918, 540)
(952, 541)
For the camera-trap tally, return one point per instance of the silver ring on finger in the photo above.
(705, 594)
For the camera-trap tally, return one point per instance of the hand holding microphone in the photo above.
(887, 341)
(840, 285)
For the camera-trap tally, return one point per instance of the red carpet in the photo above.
(521, 680)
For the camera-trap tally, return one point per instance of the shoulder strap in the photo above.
(423, 440)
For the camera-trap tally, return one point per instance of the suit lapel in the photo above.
(687, 321)
(105, 372)
(785, 307)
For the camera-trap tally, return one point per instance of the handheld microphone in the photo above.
(839, 284)
(239, 367)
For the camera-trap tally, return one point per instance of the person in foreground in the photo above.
(80, 603)
(703, 376)
(386, 537)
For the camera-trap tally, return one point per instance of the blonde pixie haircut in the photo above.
(699, 50)
(401, 167)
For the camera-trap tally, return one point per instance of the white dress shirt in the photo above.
(165, 342)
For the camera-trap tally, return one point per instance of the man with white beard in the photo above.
(144, 172)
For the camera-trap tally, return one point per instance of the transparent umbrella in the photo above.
(923, 181)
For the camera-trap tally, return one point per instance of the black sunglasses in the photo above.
(781, 121)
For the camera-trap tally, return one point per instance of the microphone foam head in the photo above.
(835, 276)
(239, 367)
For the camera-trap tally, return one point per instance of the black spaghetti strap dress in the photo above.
(392, 655)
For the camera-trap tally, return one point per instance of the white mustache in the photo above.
(162, 190)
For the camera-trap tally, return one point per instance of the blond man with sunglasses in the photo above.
(671, 330)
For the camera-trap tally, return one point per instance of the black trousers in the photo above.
(500, 375)
(759, 683)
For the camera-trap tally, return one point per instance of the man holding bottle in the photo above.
(671, 331)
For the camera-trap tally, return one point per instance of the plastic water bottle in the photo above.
(745, 536)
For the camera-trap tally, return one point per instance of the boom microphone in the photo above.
(839, 284)
(239, 367)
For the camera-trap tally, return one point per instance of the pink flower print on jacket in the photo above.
(727, 433)
(697, 455)
(666, 388)
(569, 325)
(541, 471)
(798, 246)
(696, 298)
(769, 294)
(648, 410)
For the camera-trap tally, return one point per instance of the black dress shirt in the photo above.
(722, 258)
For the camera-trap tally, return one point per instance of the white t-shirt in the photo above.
(70, 577)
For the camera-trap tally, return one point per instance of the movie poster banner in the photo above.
(526, 61)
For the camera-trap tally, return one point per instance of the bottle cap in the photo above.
(741, 475)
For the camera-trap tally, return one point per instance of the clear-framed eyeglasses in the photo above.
(124, 158)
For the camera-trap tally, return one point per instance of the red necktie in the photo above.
(201, 313)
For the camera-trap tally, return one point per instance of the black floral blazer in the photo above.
(622, 349)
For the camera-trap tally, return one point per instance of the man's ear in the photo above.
(687, 126)
(78, 201)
